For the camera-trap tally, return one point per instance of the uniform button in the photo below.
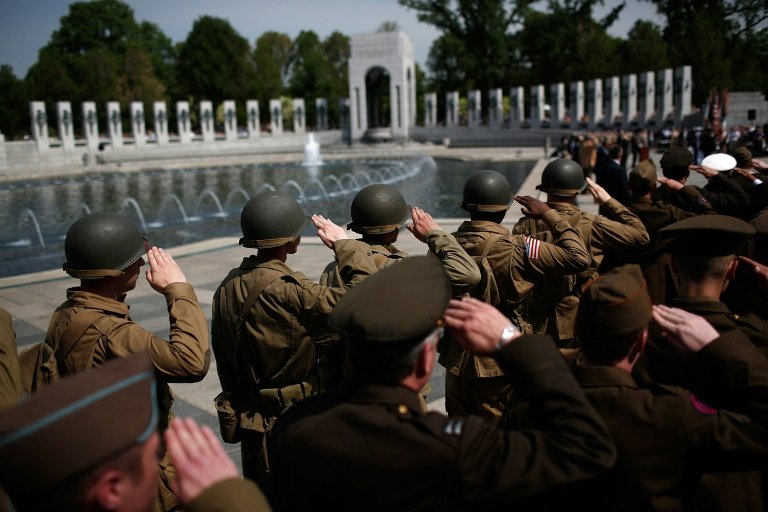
(368, 253)
(402, 409)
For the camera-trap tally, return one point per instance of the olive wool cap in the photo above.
(676, 157)
(614, 304)
(399, 305)
(67, 428)
(743, 158)
(708, 236)
(642, 179)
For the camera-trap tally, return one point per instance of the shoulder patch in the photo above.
(453, 426)
(701, 406)
(532, 247)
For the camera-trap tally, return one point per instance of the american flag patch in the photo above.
(532, 247)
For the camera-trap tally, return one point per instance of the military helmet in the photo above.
(487, 191)
(377, 209)
(101, 245)
(271, 219)
(562, 177)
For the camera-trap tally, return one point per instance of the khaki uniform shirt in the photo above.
(11, 389)
(518, 262)
(231, 495)
(282, 332)
(554, 306)
(461, 269)
(382, 453)
(184, 357)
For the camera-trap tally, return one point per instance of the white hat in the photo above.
(719, 162)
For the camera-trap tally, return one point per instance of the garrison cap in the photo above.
(67, 428)
(719, 162)
(614, 304)
(400, 305)
(642, 179)
(743, 158)
(676, 157)
(708, 236)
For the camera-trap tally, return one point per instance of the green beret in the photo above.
(616, 303)
(67, 428)
(708, 236)
(642, 179)
(743, 158)
(401, 304)
(676, 157)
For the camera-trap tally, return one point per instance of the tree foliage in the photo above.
(271, 59)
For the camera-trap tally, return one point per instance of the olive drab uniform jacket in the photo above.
(382, 453)
(284, 355)
(667, 436)
(11, 390)
(554, 304)
(184, 357)
(231, 495)
(461, 269)
(518, 263)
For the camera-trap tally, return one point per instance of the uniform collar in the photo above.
(391, 396)
(482, 225)
(253, 261)
(700, 304)
(78, 297)
(564, 208)
(389, 249)
(602, 376)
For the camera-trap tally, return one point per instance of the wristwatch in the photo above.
(509, 332)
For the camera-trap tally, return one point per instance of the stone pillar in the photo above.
(183, 122)
(299, 115)
(90, 125)
(254, 120)
(115, 122)
(321, 113)
(207, 121)
(39, 125)
(430, 109)
(557, 102)
(537, 105)
(276, 117)
(3, 157)
(664, 109)
(595, 102)
(495, 108)
(452, 109)
(65, 125)
(629, 99)
(345, 120)
(646, 100)
(614, 116)
(474, 108)
(516, 106)
(683, 87)
(161, 122)
(576, 107)
(230, 120)
(138, 124)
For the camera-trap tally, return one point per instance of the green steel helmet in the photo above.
(377, 209)
(101, 245)
(487, 191)
(271, 219)
(562, 177)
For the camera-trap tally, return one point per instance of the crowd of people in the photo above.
(611, 361)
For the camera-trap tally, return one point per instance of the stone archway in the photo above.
(382, 87)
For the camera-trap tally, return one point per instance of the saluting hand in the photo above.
(686, 331)
(422, 224)
(599, 193)
(199, 458)
(162, 270)
(475, 325)
(670, 183)
(760, 271)
(532, 207)
(328, 231)
(704, 171)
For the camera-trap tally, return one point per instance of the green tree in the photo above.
(337, 51)
(14, 116)
(271, 60)
(215, 62)
(644, 49)
(161, 53)
(310, 72)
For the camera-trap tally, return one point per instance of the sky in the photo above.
(26, 25)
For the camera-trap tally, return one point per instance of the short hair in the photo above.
(607, 350)
(497, 217)
(71, 494)
(695, 268)
(615, 152)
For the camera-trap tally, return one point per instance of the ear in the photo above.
(426, 362)
(109, 490)
(638, 347)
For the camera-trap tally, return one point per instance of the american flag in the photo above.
(532, 247)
